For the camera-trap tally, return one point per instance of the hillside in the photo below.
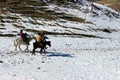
(56, 18)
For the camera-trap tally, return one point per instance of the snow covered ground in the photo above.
(67, 59)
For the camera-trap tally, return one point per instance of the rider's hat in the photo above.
(39, 33)
(21, 30)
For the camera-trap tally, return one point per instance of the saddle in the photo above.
(26, 40)
(40, 44)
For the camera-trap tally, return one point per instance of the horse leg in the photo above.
(15, 44)
(26, 48)
(44, 50)
(15, 47)
(41, 50)
(33, 51)
(19, 47)
(34, 47)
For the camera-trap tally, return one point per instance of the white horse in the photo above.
(19, 41)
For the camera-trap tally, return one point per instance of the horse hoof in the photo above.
(43, 62)
(40, 53)
(33, 54)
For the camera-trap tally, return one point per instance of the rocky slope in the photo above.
(56, 18)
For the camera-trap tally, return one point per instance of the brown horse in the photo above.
(42, 47)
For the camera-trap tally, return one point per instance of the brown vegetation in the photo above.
(115, 4)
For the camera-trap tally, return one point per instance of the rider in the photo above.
(39, 39)
(21, 34)
(24, 36)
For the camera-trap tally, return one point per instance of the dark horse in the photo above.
(43, 47)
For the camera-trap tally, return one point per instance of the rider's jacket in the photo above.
(22, 35)
(38, 38)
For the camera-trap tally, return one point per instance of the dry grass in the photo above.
(18, 26)
(7, 35)
(115, 4)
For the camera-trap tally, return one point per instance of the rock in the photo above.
(1, 61)
(106, 30)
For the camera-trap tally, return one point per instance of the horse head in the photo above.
(48, 43)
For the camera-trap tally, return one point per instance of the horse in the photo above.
(19, 41)
(38, 45)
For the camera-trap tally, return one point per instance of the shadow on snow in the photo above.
(48, 54)
(58, 54)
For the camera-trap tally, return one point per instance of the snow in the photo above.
(67, 59)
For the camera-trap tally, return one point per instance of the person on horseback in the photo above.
(39, 39)
(24, 36)
(21, 34)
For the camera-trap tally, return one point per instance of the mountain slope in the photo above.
(62, 19)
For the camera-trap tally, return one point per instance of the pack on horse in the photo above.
(20, 41)
(42, 45)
